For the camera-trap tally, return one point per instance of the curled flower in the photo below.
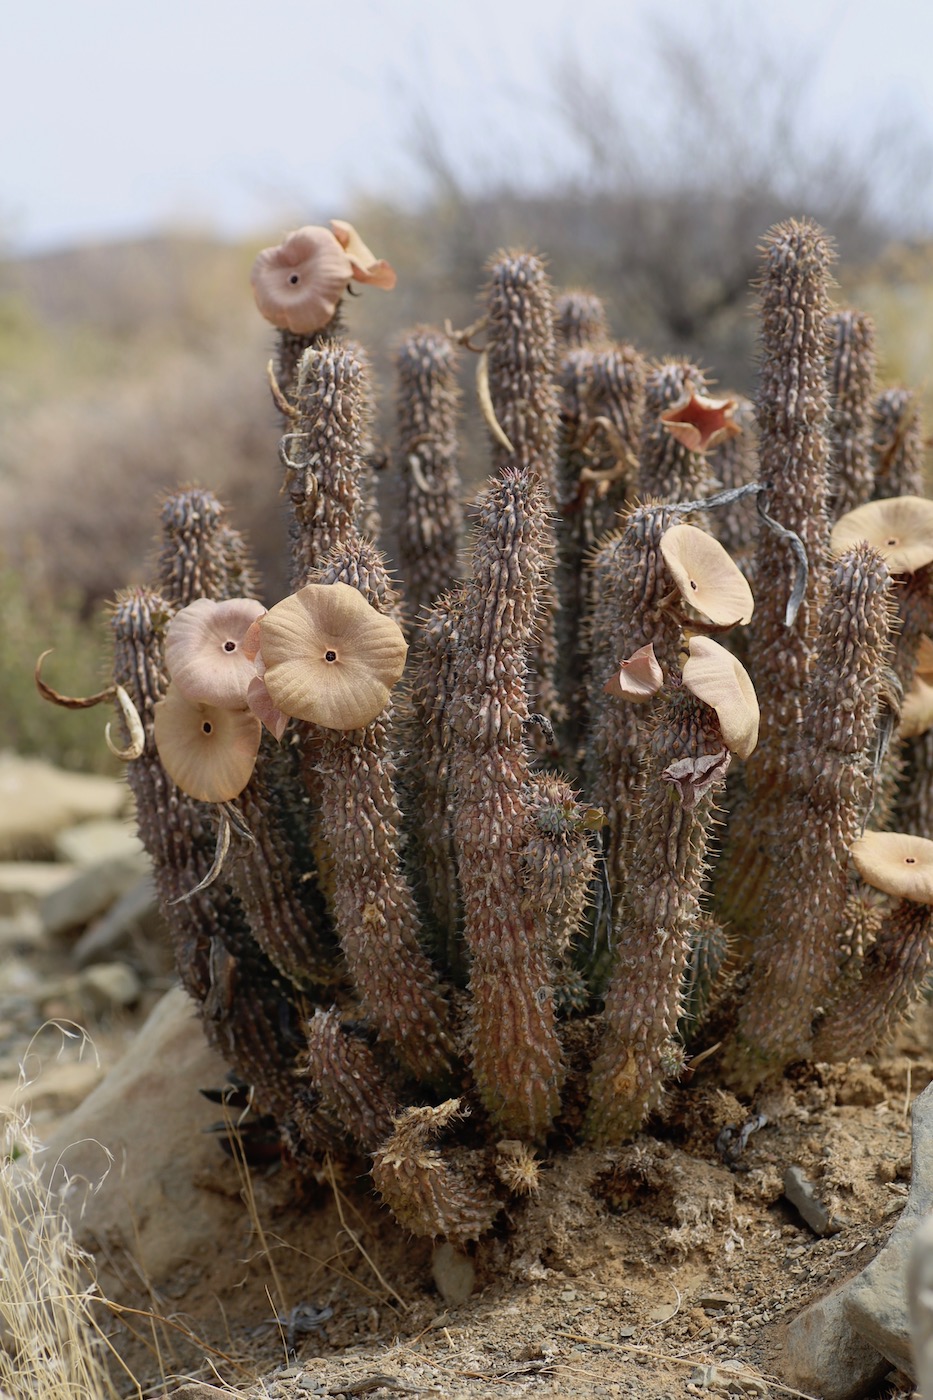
(714, 676)
(366, 266)
(707, 576)
(299, 283)
(699, 422)
(638, 678)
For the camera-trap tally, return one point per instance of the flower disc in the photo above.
(209, 752)
(900, 528)
(205, 654)
(298, 284)
(896, 863)
(330, 657)
(706, 575)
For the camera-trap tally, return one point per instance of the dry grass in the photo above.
(51, 1313)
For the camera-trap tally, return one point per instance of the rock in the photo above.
(109, 985)
(89, 893)
(24, 884)
(148, 1114)
(50, 1085)
(920, 1299)
(37, 801)
(135, 912)
(876, 1301)
(96, 841)
(825, 1355)
(800, 1191)
(830, 1346)
(19, 980)
(453, 1273)
(21, 932)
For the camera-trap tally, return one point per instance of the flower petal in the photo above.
(330, 657)
(204, 651)
(366, 266)
(210, 753)
(299, 283)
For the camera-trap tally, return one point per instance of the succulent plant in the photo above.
(437, 933)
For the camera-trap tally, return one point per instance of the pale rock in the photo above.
(37, 801)
(824, 1354)
(454, 1274)
(49, 1085)
(830, 1345)
(96, 841)
(147, 1113)
(18, 979)
(25, 883)
(920, 1299)
(89, 893)
(22, 931)
(135, 912)
(109, 985)
(876, 1301)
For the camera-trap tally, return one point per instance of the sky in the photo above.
(123, 117)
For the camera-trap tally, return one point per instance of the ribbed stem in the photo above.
(667, 470)
(794, 453)
(894, 974)
(430, 518)
(515, 1051)
(325, 483)
(343, 1070)
(629, 580)
(432, 1194)
(852, 387)
(521, 366)
(897, 444)
(351, 775)
(580, 321)
(803, 912)
(654, 928)
(201, 555)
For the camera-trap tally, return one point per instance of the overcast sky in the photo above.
(118, 117)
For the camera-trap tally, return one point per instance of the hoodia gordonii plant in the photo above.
(431, 931)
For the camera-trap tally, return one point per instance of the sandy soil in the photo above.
(669, 1269)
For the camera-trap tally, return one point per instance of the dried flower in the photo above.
(714, 676)
(209, 752)
(638, 678)
(707, 576)
(330, 657)
(204, 652)
(366, 266)
(298, 284)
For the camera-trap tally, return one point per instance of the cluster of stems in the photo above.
(419, 922)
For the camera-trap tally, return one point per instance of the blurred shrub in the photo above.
(34, 619)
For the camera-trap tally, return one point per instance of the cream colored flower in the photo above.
(706, 575)
(330, 657)
(204, 651)
(299, 283)
(713, 675)
(899, 527)
(209, 752)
